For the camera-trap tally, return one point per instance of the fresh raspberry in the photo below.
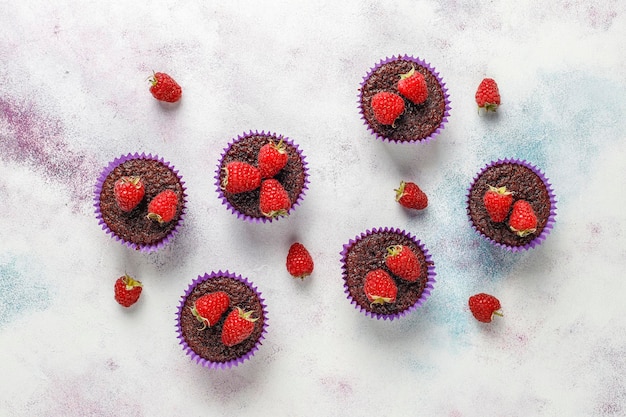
(273, 200)
(240, 177)
(523, 220)
(387, 107)
(403, 262)
(164, 88)
(412, 85)
(238, 326)
(379, 287)
(129, 192)
(487, 95)
(163, 206)
(299, 261)
(498, 201)
(272, 158)
(409, 195)
(484, 307)
(127, 290)
(209, 308)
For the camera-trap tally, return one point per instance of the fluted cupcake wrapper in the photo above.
(189, 351)
(551, 217)
(276, 138)
(98, 191)
(428, 286)
(433, 71)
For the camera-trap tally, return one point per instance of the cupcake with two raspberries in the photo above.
(140, 201)
(511, 203)
(403, 99)
(387, 273)
(261, 176)
(221, 320)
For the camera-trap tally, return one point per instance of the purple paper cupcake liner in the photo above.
(551, 217)
(98, 191)
(428, 286)
(276, 138)
(433, 71)
(189, 351)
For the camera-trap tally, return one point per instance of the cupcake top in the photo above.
(387, 273)
(208, 337)
(511, 203)
(135, 227)
(261, 176)
(422, 104)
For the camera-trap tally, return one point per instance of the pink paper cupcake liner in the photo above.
(98, 191)
(428, 285)
(190, 352)
(276, 138)
(433, 71)
(551, 217)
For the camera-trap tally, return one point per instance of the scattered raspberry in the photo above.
(403, 262)
(412, 85)
(411, 196)
(238, 326)
(523, 220)
(487, 95)
(272, 158)
(379, 287)
(209, 308)
(299, 261)
(498, 201)
(273, 200)
(164, 88)
(163, 206)
(387, 107)
(129, 192)
(127, 290)
(484, 307)
(240, 177)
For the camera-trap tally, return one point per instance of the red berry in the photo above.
(240, 177)
(127, 290)
(484, 306)
(129, 192)
(238, 326)
(163, 206)
(523, 220)
(387, 107)
(403, 262)
(272, 158)
(209, 308)
(498, 201)
(379, 287)
(412, 85)
(411, 196)
(164, 88)
(299, 261)
(273, 200)
(487, 95)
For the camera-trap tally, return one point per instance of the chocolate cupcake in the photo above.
(369, 254)
(525, 201)
(133, 226)
(210, 343)
(421, 118)
(246, 160)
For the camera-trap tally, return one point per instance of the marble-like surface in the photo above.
(74, 95)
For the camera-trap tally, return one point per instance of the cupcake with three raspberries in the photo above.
(261, 176)
(140, 200)
(511, 203)
(221, 320)
(403, 99)
(387, 273)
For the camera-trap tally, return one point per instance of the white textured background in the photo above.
(74, 95)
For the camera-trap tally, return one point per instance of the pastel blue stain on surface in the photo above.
(20, 291)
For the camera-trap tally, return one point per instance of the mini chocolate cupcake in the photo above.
(511, 203)
(133, 225)
(379, 259)
(261, 176)
(420, 108)
(210, 337)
